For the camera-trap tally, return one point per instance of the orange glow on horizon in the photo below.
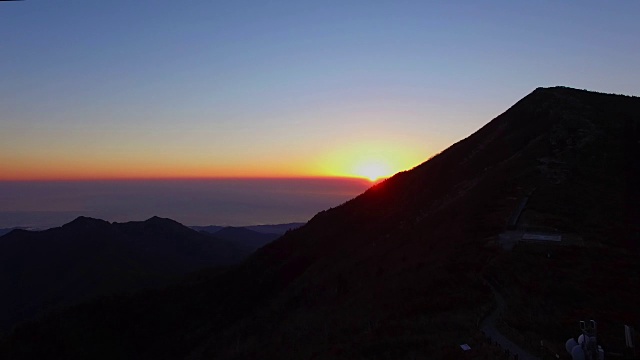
(142, 169)
(367, 160)
(132, 172)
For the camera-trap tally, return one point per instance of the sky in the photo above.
(112, 90)
(169, 89)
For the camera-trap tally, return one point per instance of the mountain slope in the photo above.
(245, 238)
(398, 271)
(248, 237)
(8, 230)
(88, 257)
(275, 228)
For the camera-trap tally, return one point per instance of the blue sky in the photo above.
(283, 88)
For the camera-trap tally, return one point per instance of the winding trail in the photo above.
(489, 328)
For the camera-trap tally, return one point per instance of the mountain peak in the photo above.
(569, 90)
(159, 221)
(85, 222)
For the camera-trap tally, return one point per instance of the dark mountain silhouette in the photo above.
(88, 257)
(8, 230)
(248, 239)
(279, 229)
(211, 229)
(400, 271)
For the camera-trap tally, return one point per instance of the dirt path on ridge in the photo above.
(489, 329)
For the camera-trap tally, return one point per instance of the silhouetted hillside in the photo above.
(245, 238)
(398, 272)
(211, 229)
(8, 230)
(279, 229)
(41, 270)
(249, 237)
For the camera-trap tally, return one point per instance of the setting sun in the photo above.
(373, 170)
(371, 160)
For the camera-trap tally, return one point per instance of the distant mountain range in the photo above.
(43, 270)
(278, 229)
(402, 270)
(248, 238)
(8, 230)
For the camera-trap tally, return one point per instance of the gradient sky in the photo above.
(171, 89)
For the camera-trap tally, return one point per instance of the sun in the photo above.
(371, 160)
(373, 170)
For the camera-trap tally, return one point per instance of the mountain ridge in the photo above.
(417, 209)
(88, 257)
(399, 271)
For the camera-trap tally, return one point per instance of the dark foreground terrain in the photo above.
(400, 272)
(47, 270)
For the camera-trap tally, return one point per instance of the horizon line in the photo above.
(189, 178)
